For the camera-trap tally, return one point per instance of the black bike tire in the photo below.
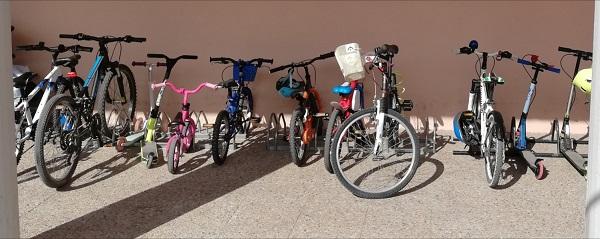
(222, 117)
(102, 99)
(297, 159)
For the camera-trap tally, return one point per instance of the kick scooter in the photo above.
(518, 140)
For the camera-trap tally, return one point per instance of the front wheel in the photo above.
(297, 146)
(57, 141)
(117, 100)
(335, 120)
(173, 153)
(372, 165)
(494, 149)
(221, 137)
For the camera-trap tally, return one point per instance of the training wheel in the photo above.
(540, 174)
(120, 145)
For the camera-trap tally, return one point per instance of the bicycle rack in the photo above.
(430, 144)
(277, 133)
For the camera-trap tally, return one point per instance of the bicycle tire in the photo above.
(39, 153)
(297, 148)
(414, 162)
(493, 170)
(173, 154)
(104, 97)
(222, 120)
(333, 117)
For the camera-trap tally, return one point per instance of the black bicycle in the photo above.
(68, 123)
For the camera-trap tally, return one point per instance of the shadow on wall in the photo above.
(174, 198)
(435, 78)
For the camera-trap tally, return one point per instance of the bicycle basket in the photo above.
(287, 88)
(350, 61)
(248, 72)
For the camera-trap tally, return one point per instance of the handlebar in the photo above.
(57, 49)
(163, 56)
(227, 60)
(534, 64)
(103, 39)
(303, 63)
(585, 54)
(183, 91)
(500, 54)
(139, 63)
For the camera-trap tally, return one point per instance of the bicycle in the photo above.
(238, 113)
(518, 140)
(566, 144)
(303, 125)
(29, 97)
(480, 127)
(377, 139)
(68, 123)
(183, 127)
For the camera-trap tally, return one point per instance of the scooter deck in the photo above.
(133, 139)
(577, 160)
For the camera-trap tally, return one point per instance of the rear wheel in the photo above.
(117, 100)
(297, 146)
(335, 120)
(494, 149)
(57, 142)
(221, 137)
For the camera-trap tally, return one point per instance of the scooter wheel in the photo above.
(120, 145)
(151, 158)
(541, 170)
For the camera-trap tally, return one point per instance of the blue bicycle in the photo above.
(518, 140)
(237, 116)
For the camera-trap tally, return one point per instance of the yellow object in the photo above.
(583, 80)
(150, 127)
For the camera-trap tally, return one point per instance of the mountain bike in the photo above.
(183, 127)
(566, 144)
(377, 141)
(518, 140)
(68, 123)
(238, 114)
(481, 127)
(29, 97)
(305, 117)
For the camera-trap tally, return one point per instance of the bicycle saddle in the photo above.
(21, 80)
(341, 90)
(67, 61)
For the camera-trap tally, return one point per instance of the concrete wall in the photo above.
(427, 32)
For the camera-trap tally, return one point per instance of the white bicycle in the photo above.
(481, 127)
(28, 96)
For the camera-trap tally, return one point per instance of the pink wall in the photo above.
(427, 33)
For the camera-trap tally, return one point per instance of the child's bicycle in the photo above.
(518, 140)
(303, 125)
(183, 127)
(238, 114)
(29, 98)
(375, 152)
(481, 127)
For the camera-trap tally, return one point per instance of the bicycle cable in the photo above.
(223, 72)
(525, 68)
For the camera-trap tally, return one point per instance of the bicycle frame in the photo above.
(308, 100)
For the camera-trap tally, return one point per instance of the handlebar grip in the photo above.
(465, 50)
(565, 49)
(154, 55)
(270, 61)
(70, 36)
(553, 69)
(214, 59)
(161, 64)
(138, 63)
(523, 62)
(391, 48)
(189, 57)
(276, 69)
(505, 54)
(137, 39)
(84, 48)
(24, 48)
(327, 55)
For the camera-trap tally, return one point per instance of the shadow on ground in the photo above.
(140, 213)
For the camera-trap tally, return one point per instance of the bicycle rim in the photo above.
(370, 174)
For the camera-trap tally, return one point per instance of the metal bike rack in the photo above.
(277, 130)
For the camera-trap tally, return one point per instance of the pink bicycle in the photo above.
(182, 128)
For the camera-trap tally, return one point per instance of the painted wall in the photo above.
(427, 33)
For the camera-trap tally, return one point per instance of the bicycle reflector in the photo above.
(72, 74)
(473, 44)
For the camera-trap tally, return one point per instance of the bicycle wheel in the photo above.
(494, 147)
(297, 146)
(173, 153)
(220, 138)
(335, 120)
(368, 172)
(117, 100)
(57, 143)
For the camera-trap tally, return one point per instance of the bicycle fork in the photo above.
(379, 118)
